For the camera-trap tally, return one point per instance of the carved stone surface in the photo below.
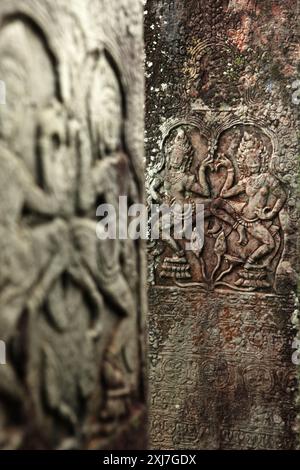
(71, 307)
(222, 132)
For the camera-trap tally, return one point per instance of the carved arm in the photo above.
(237, 189)
(279, 203)
(225, 162)
(35, 198)
(154, 189)
(203, 188)
(268, 213)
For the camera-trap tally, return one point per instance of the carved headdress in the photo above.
(180, 153)
(252, 145)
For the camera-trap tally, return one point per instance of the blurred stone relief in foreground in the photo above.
(71, 307)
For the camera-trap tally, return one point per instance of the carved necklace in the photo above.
(258, 181)
(175, 176)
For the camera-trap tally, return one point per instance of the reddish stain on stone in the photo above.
(289, 70)
(277, 10)
(240, 36)
(245, 5)
(264, 39)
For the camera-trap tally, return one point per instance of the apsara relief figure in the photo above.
(264, 199)
(178, 190)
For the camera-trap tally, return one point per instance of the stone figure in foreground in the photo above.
(71, 305)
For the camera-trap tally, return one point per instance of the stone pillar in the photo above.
(71, 306)
(221, 126)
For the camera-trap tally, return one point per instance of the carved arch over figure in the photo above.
(35, 26)
(26, 56)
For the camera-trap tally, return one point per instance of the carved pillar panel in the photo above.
(71, 306)
(222, 132)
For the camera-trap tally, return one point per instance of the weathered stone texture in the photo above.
(71, 307)
(222, 123)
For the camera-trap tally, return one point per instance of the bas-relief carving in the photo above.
(231, 385)
(221, 374)
(69, 310)
(233, 151)
(234, 176)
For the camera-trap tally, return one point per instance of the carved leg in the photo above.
(14, 297)
(57, 240)
(83, 278)
(95, 271)
(263, 235)
(167, 225)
